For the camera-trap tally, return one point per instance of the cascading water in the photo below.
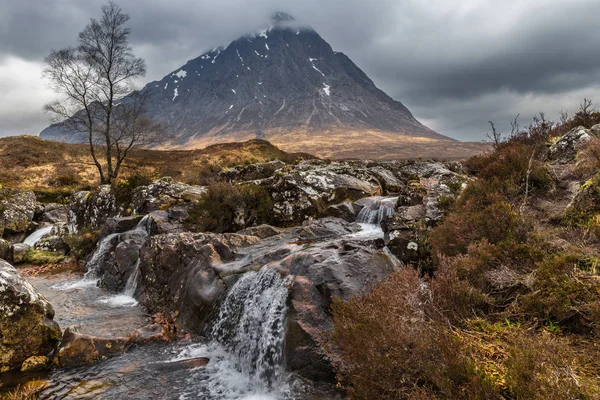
(246, 342)
(251, 324)
(36, 236)
(98, 259)
(376, 210)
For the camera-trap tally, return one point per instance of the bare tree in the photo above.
(495, 137)
(586, 110)
(95, 81)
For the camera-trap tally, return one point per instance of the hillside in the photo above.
(28, 162)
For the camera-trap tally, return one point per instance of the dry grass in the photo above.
(357, 144)
(31, 163)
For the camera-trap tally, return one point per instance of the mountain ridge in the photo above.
(283, 83)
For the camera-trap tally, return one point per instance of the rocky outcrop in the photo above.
(19, 251)
(307, 192)
(187, 272)
(162, 194)
(421, 205)
(565, 149)
(92, 209)
(17, 209)
(27, 328)
(55, 213)
(585, 204)
(252, 172)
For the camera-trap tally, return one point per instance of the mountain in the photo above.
(284, 84)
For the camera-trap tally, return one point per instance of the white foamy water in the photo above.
(36, 236)
(246, 347)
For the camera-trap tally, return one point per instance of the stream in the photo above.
(244, 346)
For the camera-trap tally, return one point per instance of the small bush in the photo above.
(82, 244)
(561, 293)
(388, 347)
(478, 214)
(123, 190)
(229, 208)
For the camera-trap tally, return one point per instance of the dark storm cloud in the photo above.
(455, 63)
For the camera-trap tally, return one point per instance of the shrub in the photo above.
(229, 208)
(561, 293)
(386, 346)
(82, 244)
(123, 190)
(476, 218)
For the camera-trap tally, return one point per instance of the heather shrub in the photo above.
(563, 294)
(229, 208)
(123, 189)
(83, 243)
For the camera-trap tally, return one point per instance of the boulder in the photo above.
(345, 210)
(565, 149)
(119, 225)
(27, 328)
(6, 251)
(19, 252)
(17, 209)
(252, 172)
(162, 194)
(55, 213)
(342, 269)
(586, 202)
(302, 194)
(92, 209)
(184, 272)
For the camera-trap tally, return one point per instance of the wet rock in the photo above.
(27, 328)
(20, 250)
(17, 209)
(252, 172)
(180, 272)
(261, 231)
(92, 209)
(55, 213)
(162, 194)
(119, 225)
(342, 269)
(123, 261)
(565, 149)
(179, 365)
(77, 349)
(345, 210)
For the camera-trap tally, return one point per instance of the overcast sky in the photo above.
(454, 63)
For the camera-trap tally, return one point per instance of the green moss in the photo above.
(42, 257)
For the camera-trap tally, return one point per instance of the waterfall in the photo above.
(36, 236)
(376, 210)
(131, 284)
(99, 257)
(251, 326)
